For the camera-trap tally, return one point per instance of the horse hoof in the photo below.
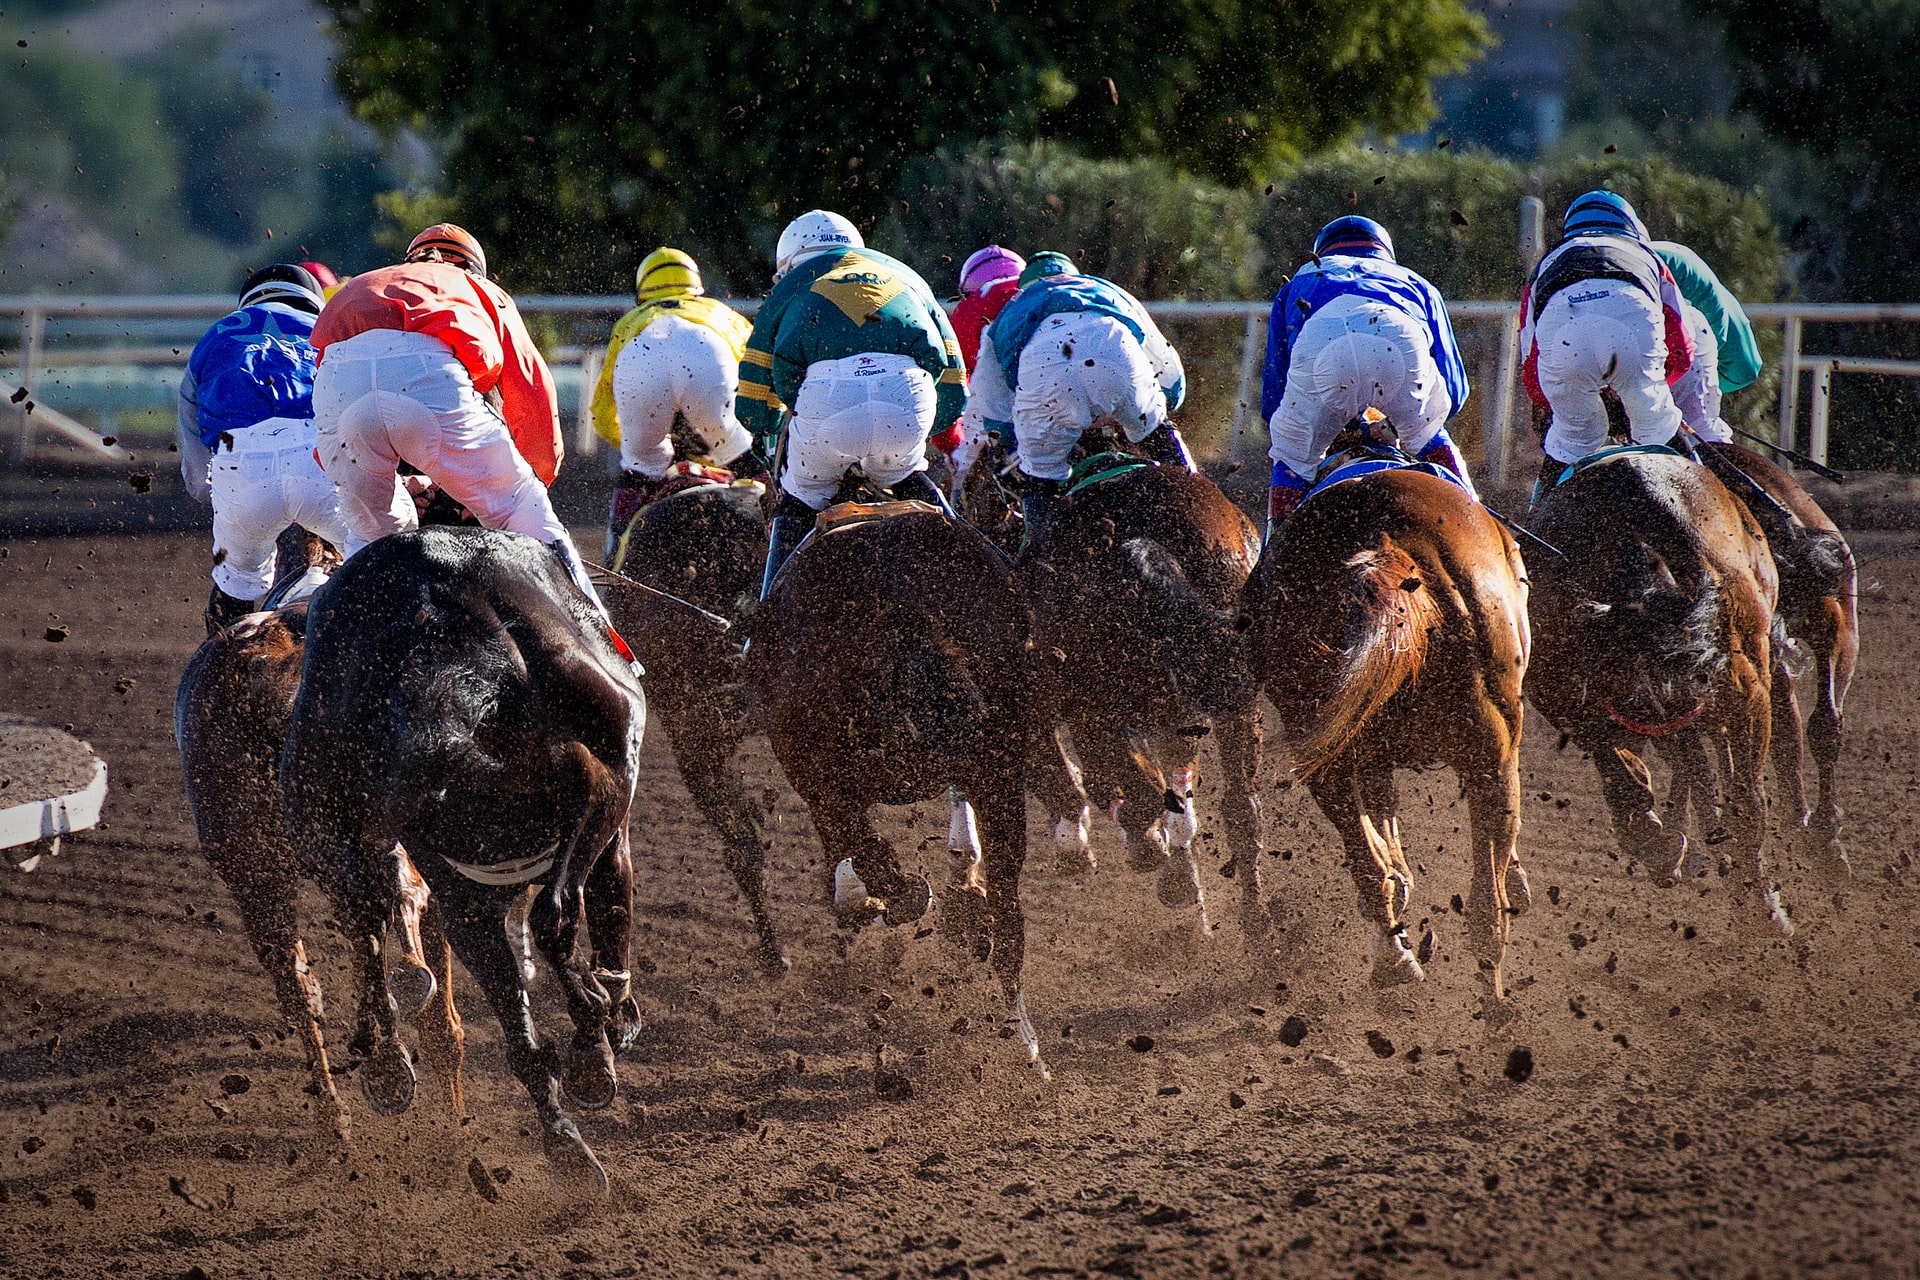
(772, 959)
(1823, 850)
(1693, 860)
(624, 1025)
(411, 986)
(387, 1078)
(1072, 854)
(589, 1082)
(1146, 854)
(572, 1159)
(1255, 920)
(1075, 864)
(1777, 913)
(1402, 892)
(1397, 966)
(963, 910)
(908, 905)
(1519, 893)
(1179, 883)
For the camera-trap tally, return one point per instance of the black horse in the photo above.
(461, 699)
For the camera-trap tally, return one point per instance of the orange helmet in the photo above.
(454, 244)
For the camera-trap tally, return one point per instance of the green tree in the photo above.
(575, 137)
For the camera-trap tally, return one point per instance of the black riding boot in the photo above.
(224, 610)
(1037, 497)
(918, 488)
(1550, 470)
(792, 519)
(1165, 446)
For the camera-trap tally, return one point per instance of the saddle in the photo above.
(686, 476)
(1367, 459)
(1612, 451)
(845, 515)
(1098, 468)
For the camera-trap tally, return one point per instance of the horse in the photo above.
(1134, 587)
(1387, 623)
(706, 545)
(1818, 598)
(890, 662)
(1656, 623)
(463, 701)
(230, 716)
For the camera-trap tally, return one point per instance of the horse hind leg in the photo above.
(1373, 859)
(963, 901)
(443, 1037)
(1239, 742)
(703, 744)
(1003, 815)
(1746, 809)
(1179, 877)
(867, 880)
(1055, 779)
(1493, 811)
(1788, 747)
(609, 909)
(1836, 647)
(410, 979)
(1693, 792)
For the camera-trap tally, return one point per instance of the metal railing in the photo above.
(1497, 377)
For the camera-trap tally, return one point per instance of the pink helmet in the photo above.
(988, 267)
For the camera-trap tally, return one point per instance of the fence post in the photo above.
(1789, 380)
(1253, 346)
(1499, 432)
(586, 441)
(36, 323)
(1820, 406)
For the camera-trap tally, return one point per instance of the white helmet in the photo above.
(811, 233)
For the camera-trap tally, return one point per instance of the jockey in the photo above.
(1355, 330)
(1071, 352)
(853, 347)
(329, 282)
(674, 356)
(1726, 356)
(427, 362)
(1602, 310)
(246, 410)
(988, 280)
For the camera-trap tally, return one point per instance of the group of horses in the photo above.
(447, 726)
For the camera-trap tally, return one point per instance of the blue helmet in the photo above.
(1602, 213)
(1355, 236)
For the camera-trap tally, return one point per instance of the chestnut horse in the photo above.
(1655, 621)
(230, 716)
(890, 662)
(706, 545)
(1817, 606)
(463, 700)
(1134, 588)
(1388, 626)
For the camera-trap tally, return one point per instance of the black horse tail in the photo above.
(1390, 617)
(927, 698)
(1196, 643)
(1814, 564)
(1669, 633)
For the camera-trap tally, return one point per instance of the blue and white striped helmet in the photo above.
(1602, 213)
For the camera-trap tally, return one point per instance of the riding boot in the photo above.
(631, 492)
(918, 488)
(1164, 445)
(1037, 497)
(224, 610)
(1550, 469)
(792, 520)
(1282, 501)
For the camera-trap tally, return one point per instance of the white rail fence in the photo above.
(1496, 381)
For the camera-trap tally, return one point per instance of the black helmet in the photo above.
(283, 282)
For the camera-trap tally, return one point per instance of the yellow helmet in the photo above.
(666, 273)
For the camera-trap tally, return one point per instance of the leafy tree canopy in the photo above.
(578, 135)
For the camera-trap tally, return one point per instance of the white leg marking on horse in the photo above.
(410, 980)
(1777, 912)
(963, 837)
(1023, 1028)
(1179, 823)
(520, 934)
(849, 890)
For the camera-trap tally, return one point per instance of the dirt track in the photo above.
(1704, 1101)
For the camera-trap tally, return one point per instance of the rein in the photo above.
(723, 624)
(1656, 730)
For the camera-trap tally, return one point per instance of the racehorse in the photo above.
(891, 661)
(1817, 606)
(1387, 623)
(1654, 617)
(1134, 587)
(230, 716)
(705, 545)
(462, 700)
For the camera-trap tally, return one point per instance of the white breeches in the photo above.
(675, 366)
(261, 482)
(1697, 393)
(873, 411)
(1078, 368)
(1353, 355)
(1596, 334)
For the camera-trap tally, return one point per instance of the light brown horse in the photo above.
(1388, 626)
(231, 712)
(1655, 624)
(1818, 608)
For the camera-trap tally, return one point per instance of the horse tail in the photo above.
(1197, 642)
(1813, 564)
(926, 698)
(1670, 633)
(1389, 619)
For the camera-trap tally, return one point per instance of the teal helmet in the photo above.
(1047, 263)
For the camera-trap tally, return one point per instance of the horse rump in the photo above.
(1390, 616)
(925, 698)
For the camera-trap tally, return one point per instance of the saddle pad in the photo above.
(844, 515)
(1101, 467)
(1613, 451)
(1372, 463)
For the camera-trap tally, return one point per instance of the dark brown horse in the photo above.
(230, 718)
(1654, 626)
(1134, 588)
(706, 546)
(1817, 606)
(462, 700)
(1388, 626)
(891, 661)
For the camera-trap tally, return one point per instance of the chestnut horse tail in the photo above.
(1390, 616)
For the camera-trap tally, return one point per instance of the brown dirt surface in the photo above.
(1695, 1097)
